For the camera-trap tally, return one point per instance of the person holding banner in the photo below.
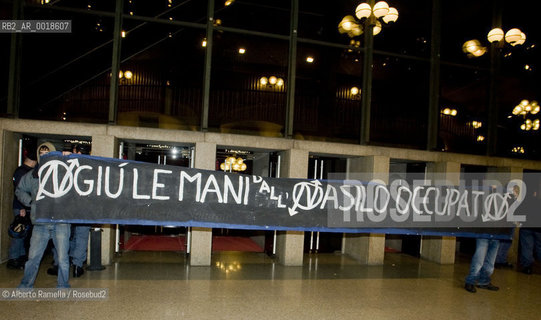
(42, 232)
(79, 237)
(482, 265)
(530, 238)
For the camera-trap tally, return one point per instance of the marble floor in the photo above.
(161, 285)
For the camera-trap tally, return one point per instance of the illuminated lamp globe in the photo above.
(392, 16)
(495, 35)
(280, 82)
(517, 110)
(520, 41)
(128, 74)
(536, 124)
(471, 46)
(355, 31)
(354, 91)
(479, 52)
(447, 111)
(347, 23)
(454, 112)
(273, 80)
(236, 167)
(120, 74)
(380, 9)
(522, 37)
(230, 160)
(513, 35)
(263, 81)
(363, 10)
(222, 166)
(240, 160)
(243, 167)
(377, 28)
(535, 107)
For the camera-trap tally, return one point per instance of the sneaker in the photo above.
(15, 264)
(470, 288)
(53, 271)
(489, 286)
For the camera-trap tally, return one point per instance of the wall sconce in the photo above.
(310, 59)
(518, 150)
(125, 74)
(242, 50)
(449, 112)
(476, 124)
(271, 82)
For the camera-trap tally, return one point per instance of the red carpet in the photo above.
(234, 244)
(155, 243)
(178, 243)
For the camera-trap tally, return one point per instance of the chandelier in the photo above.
(365, 16)
(233, 164)
(525, 108)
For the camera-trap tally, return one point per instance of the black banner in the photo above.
(86, 189)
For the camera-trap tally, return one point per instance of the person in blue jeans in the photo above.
(482, 265)
(530, 242)
(530, 238)
(79, 238)
(501, 257)
(78, 245)
(42, 232)
(17, 247)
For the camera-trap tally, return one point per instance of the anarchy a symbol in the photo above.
(496, 207)
(50, 175)
(312, 192)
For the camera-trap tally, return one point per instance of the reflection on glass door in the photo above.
(155, 238)
(320, 167)
(252, 162)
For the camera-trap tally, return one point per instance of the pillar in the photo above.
(201, 238)
(367, 248)
(8, 155)
(434, 248)
(290, 244)
(105, 146)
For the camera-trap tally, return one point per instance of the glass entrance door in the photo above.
(155, 238)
